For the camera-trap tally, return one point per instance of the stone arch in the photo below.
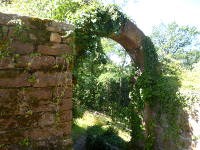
(131, 38)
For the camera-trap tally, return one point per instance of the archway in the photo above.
(132, 39)
(142, 52)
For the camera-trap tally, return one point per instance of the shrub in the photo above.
(103, 139)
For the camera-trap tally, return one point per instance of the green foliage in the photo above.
(191, 79)
(181, 42)
(37, 8)
(4, 48)
(6, 1)
(32, 79)
(157, 87)
(103, 139)
(5, 42)
(147, 81)
(2, 145)
(25, 142)
(92, 22)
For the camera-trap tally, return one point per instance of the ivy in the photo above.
(159, 90)
(94, 21)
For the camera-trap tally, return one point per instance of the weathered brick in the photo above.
(6, 63)
(35, 99)
(11, 32)
(8, 102)
(36, 62)
(42, 106)
(35, 93)
(55, 49)
(65, 127)
(46, 132)
(7, 95)
(61, 62)
(14, 79)
(8, 123)
(11, 137)
(55, 37)
(47, 119)
(66, 116)
(62, 92)
(59, 27)
(9, 109)
(54, 118)
(62, 104)
(19, 121)
(52, 79)
(37, 134)
(65, 104)
(35, 107)
(19, 47)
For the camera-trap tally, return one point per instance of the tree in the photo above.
(181, 42)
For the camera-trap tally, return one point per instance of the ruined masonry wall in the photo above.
(35, 84)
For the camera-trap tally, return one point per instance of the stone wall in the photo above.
(35, 84)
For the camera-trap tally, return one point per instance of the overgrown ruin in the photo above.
(36, 62)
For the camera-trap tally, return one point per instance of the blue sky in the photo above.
(149, 13)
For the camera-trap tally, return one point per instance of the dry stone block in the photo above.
(52, 79)
(20, 121)
(62, 96)
(14, 79)
(55, 37)
(47, 119)
(65, 104)
(59, 27)
(7, 95)
(62, 63)
(7, 63)
(66, 116)
(66, 127)
(52, 118)
(13, 135)
(32, 36)
(62, 104)
(7, 123)
(19, 47)
(35, 107)
(35, 62)
(8, 102)
(42, 133)
(35, 100)
(62, 92)
(55, 49)
(35, 93)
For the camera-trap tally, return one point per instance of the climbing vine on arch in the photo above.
(93, 21)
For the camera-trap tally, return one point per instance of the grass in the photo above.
(90, 118)
(190, 79)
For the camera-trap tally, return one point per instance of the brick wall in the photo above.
(35, 84)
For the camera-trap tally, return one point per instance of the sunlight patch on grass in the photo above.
(95, 118)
